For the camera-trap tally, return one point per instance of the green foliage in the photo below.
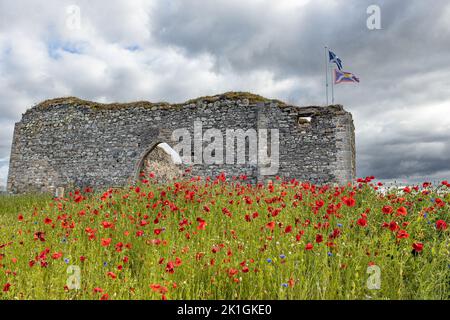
(224, 250)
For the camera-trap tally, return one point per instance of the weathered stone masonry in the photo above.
(69, 142)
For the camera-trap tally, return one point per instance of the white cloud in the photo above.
(3, 172)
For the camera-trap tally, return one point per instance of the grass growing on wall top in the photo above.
(253, 98)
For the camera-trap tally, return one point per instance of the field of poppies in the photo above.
(213, 239)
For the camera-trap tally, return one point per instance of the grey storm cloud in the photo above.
(249, 36)
(179, 49)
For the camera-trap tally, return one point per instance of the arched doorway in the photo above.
(161, 161)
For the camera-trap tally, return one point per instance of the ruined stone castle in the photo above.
(72, 143)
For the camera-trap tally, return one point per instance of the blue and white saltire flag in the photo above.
(343, 76)
(335, 59)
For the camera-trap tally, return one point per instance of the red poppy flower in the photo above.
(170, 267)
(106, 242)
(57, 255)
(39, 235)
(159, 288)
(139, 233)
(387, 209)
(441, 225)
(309, 246)
(119, 247)
(107, 224)
(143, 223)
(232, 272)
(417, 246)
(288, 229)
(47, 220)
(319, 238)
(248, 200)
(104, 297)
(112, 275)
(291, 283)
(402, 211)
(362, 222)
(155, 287)
(393, 226)
(275, 212)
(402, 234)
(6, 287)
(226, 212)
(177, 262)
(349, 201)
(215, 249)
(270, 225)
(336, 233)
(201, 224)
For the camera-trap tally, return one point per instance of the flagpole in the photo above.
(332, 84)
(326, 71)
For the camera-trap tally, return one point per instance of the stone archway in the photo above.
(162, 161)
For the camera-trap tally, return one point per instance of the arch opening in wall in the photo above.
(162, 163)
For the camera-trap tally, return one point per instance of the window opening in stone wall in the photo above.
(304, 120)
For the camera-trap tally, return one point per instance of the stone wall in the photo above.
(74, 143)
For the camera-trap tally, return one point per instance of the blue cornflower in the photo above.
(425, 215)
(269, 260)
(282, 256)
(64, 240)
(105, 264)
(285, 285)
(339, 225)
(330, 254)
(66, 260)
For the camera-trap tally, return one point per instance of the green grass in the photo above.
(334, 271)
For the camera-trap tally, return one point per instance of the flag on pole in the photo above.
(344, 76)
(335, 59)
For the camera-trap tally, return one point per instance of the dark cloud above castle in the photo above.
(176, 50)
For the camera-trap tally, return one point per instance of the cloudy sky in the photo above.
(173, 50)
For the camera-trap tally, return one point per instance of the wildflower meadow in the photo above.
(228, 239)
